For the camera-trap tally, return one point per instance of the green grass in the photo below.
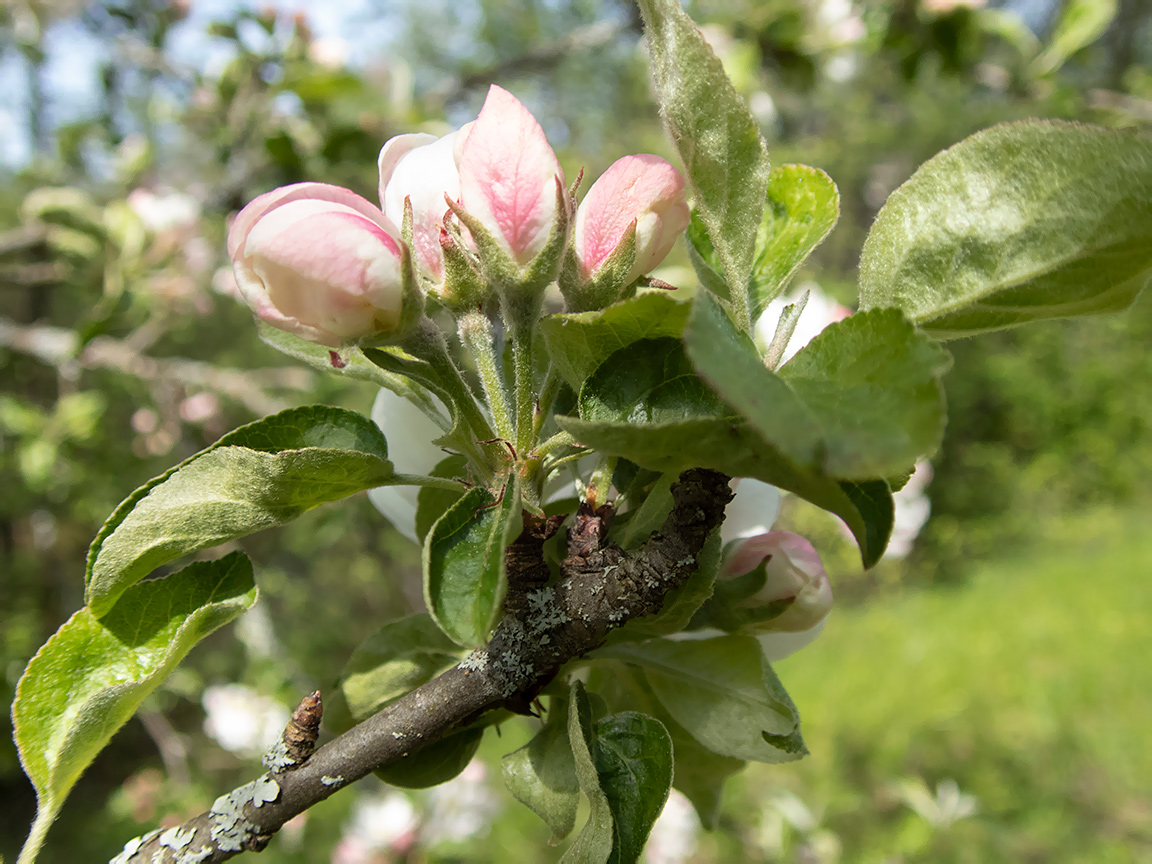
(1030, 686)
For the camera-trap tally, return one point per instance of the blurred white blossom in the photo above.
(382, 822)
(675, 835)
(242, 720)
(462, 808)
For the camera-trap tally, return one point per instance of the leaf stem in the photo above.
(476, 335)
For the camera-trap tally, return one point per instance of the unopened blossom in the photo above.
(793, 572)
(509, 176)
(422, 169)
(321, 262)
(644, 190)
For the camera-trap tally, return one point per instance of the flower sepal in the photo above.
(612, 282)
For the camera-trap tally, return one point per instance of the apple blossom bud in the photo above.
(321, 262)
(422, 169)
(791, 591)
(641, 189)
(508, 179)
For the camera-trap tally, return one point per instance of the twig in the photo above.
(602, 588)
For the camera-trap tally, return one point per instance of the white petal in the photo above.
(777, 646)
(752, 511)
(409, 432)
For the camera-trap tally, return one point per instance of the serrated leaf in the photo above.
(464, 577)
(541, 775)
(435, 764)
(261, 475)
(1021, 222)
(397, 658)
(634, 764)
(802, 207)
(645, 404)
(861, 400)
(722, 691)
(578, 343)
(593, 845)
(725, 159)
(93, 673)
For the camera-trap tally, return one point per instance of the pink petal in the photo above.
(632, 187)
(242, 224)
(508, 175)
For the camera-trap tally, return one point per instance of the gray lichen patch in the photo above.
(230, 827)
(187, 856)
(132, 847)
(174, 838)
(476, 661)
(278, 758)
(332, 781)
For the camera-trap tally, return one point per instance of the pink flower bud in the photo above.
(508, 175)
(643, 189)
(793, 572)
(421, 168)
(319, 261)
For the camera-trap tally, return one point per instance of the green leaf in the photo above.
(722, 691)
(634, 763)
(728, 445)
(1021, 222)
(594, 843)
(93, 673)
(725, 159)
(803, 206)
(397, 658)
(648, 382)
(432, 501)
(646, 405)
(1081, 23)
(699, 773)
(355, 365)
(578, 343)
(541, 775)
(435, 764)
(261, 475)
(861, 400)
(464, 577)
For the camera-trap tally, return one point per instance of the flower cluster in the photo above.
(484, 205)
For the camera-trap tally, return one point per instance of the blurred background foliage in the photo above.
(999, 713)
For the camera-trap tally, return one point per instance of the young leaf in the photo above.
(803, 206)
(594, 843)
(398, 657)
(264, 474)
(578, 343)
(93, 673)
(722, 691)
(861, 400)
(464, 577)
(634, 763)
(435, 764)
(1021, 222)
(725, 159)
(541, 775)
